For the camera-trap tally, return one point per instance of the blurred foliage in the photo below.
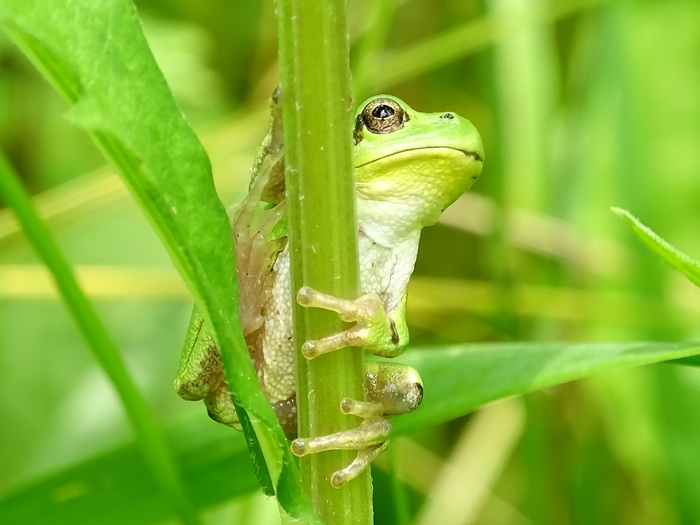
(582, 104)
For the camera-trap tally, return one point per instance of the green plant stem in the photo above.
(317, 104)
(152, 442)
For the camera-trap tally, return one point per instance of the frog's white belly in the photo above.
(383, 271)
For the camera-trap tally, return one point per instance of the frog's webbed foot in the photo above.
(369, 439)
(374, 329)
(392, 389)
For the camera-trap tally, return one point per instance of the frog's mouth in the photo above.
(472, 154)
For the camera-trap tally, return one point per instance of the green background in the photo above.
(582, 105)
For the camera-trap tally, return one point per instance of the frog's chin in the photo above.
(410, 189)
(442, 170)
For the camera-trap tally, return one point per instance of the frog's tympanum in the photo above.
(409, 167)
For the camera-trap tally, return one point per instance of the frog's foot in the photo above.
(369, 439)
(374, 329)
(220, 406)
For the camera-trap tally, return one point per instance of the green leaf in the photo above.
(690, 361)
(116, 487)
(458, 379)
(679, 260)
(94, 53)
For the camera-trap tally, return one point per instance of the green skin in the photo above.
(409, 167)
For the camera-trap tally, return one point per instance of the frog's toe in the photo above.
(359, 464)
(308, 297)
(371, 431)
(363, 409)
(361, 310)
(356, 336)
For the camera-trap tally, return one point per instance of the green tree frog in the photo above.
(409, 167)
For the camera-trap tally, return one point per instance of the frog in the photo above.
(409, 167)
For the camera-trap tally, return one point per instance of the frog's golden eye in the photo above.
(383, 115)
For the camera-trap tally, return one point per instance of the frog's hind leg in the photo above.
(220, 406)
(397, 387)
(369, 439)
(392, 389)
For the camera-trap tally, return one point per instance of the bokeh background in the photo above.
(582, 105)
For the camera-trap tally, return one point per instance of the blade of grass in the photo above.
(674, 257)
(95, 54)
(153, 445)
(317, 105)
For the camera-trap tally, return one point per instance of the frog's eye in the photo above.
(383, 115)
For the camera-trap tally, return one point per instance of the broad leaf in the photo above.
(460, 378)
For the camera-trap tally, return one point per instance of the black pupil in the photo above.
(382, 111)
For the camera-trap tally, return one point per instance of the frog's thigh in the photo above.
(397, 387)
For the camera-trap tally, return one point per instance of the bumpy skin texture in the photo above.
(409, 167)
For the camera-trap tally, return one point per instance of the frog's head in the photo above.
(424, 161)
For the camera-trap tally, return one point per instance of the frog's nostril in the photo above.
(447, 115)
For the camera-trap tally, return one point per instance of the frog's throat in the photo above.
(410, 190)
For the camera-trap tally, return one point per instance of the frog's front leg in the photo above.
(384, 334)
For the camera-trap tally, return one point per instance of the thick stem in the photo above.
(317, 105)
